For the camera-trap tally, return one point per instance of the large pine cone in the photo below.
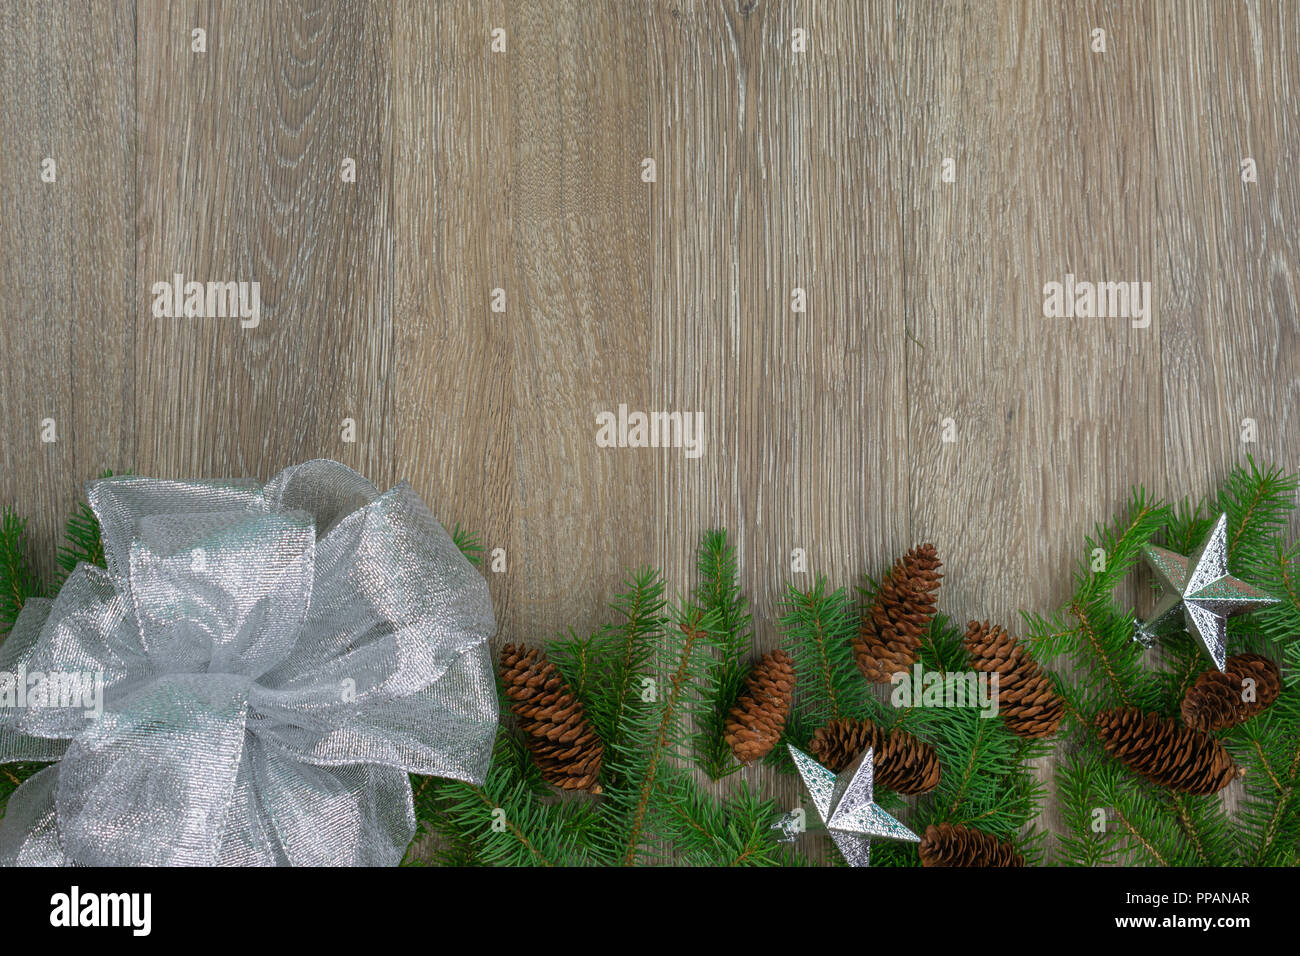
(1214, 701)
(903, 763)
(1165, 752)
(755, 723)
(959, 845)
(556, 731)
(889, 637)
(1026, 700)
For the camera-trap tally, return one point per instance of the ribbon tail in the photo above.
(336, 816)
(29, 831)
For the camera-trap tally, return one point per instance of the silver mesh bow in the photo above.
(273, 662)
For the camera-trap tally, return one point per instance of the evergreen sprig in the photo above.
(18, 581)
(1269, 748)
(469, 544)
(1115, 816)
(1258, 502)
(987, 782)
(1276, 570)
(11, 777)
(657, 733)
(1091, 633)
(818, 626)
(81, 541)
(625, 654)
(705, 831)
(509, 821)
(656, 683)
(719, 594)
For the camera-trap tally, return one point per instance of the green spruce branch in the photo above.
(511, 820)
(1269, 748)
(1090, 631)
(469, 544)
(719, 595)
(18, 582)
(818, 626)
(626, 653)
(81, 542)
(706, 831)
(659, 732)
(1139, 821)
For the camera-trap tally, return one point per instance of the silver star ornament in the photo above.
(1200, 587)
(847, 806)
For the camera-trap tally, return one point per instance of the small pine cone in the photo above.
(960, 845)
(556, 731)
(838, 743)
(1165, 752)
(889, 637)
(1026, 700)
(758, 716)
(903, 763)
(1214, 701)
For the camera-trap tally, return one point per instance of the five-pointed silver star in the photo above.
(1201, 587)
(846, 805)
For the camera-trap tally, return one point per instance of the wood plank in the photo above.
(68, 259)
(1053, 418)
(1225, 88)
(577, 306)
(777, 175)
(240, 156)
(452, 389)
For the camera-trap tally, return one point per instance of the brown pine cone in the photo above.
(838, 743)
(756, 720)
(903, 763)
(889, 637)
(1026, 700)
(1165, 752)
(556, 731)
(1215, 702)
(959, 845)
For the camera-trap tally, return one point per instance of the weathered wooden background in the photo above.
(521, 171)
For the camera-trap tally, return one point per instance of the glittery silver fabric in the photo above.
(1199, 594)
(846, 804)
(274, 662)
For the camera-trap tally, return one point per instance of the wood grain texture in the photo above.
(67, 263)
(1225, 88)
(577, 299)
(775, 170)
(240, 154)
(452, 431)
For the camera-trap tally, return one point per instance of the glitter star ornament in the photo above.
(847, 806)
(1200, 587)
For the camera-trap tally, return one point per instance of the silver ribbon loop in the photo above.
(274, 663)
